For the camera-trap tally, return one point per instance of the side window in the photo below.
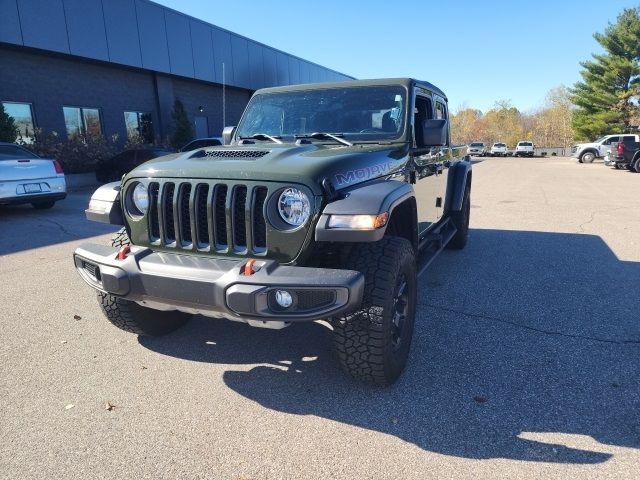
(422, 111)
(441, 111)
(611, 140)
(629, 138)
(80, 121)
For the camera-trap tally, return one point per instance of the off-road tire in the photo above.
(636, 166)
(587, 157)
(134, 318)
(370, 346)
(43, 205)
(460, 220)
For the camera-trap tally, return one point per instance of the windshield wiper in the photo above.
(324, 136)
(263, 136)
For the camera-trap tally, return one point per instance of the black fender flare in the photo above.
(104, 206)
(459, 174)
(372, 198)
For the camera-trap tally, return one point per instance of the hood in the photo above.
(306, 164)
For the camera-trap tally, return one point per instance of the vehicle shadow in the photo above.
(526, 347)
(23, 228)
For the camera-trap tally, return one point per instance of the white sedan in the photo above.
(27, 178)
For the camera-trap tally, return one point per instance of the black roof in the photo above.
(407, 82)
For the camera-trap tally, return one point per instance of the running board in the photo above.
(433, 243)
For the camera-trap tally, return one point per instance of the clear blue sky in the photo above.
(476, 51)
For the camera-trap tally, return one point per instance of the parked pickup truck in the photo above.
(323, 203)
(588, 152)
(626, 155)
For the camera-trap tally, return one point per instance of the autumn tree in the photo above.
(465, 125)
(607, 96)
(553, 123)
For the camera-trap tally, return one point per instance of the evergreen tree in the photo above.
(607, 97)
(8, 128)
(182, 132)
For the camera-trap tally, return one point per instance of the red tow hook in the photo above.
(248, 267)
(123, 252)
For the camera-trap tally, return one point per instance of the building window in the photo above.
(139, 126)
(22, 114)
(82, 121)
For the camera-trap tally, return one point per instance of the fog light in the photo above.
(283, 298)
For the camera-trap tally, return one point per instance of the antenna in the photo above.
(224, 99)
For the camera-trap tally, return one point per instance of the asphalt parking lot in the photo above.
(525, 361)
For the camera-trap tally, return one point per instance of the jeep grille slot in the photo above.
(221, 216)
(154, 224)
(169, 224)
(208, 216)
(239, 206)
(202, 225)
(184, 214)
(259, 225)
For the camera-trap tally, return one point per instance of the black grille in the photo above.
(312, 299)
(216, 217)
(259, 225)
(169, 223)
(236, 153)
(220, 215)
(92, 269)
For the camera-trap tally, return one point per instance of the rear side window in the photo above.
(629, 138)
(10, 152)
(441, 112)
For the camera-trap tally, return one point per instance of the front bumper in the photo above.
(218, 287)
(15, 192)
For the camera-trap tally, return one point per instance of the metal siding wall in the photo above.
(240, 52)
(43, 24)
(282, 69)
(270, 67)
(153, 36)
(85, 25)
(221, 42)
(294, 70)
(204, 68)
(10, 22)
(123, 40)
(256, 65)
(179, 42)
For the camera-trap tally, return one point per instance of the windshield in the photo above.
(525, 144)
(601, 139)
(477, 145)
(11, 152)
(499, 145)
(357, 113)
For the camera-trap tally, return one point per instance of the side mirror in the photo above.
(434, 133)
(227, 135)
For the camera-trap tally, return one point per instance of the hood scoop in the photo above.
(236, 153)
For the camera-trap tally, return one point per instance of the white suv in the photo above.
(499, 149)
(524, 149)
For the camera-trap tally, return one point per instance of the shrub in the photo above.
(182, 131)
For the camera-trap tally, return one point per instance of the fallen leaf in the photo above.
(77, 317)
(63, 342)
(109, 406)
(71, 405)
(143, 367)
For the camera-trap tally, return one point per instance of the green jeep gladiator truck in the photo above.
(324, 202)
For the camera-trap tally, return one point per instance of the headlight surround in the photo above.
(139, 200)
(294, 207)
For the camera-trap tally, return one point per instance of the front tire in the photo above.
(373, 343)
(134, 318)
(587, 157)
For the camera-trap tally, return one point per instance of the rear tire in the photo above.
(134, 318)
(373, 343)
(636, 166)
(43, 205)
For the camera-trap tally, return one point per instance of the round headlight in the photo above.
(140, 198)
(294, 207)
